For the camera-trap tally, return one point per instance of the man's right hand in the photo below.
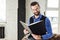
(25, 31)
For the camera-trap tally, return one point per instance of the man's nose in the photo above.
(35, 10)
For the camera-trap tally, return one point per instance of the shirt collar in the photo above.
(38, 17)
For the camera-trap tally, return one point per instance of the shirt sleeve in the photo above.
(49, 33)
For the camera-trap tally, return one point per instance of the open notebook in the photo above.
(35, 28)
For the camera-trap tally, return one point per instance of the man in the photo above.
(37, 17)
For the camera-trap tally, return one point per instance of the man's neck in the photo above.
(36, 16)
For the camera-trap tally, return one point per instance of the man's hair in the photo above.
(34, 3)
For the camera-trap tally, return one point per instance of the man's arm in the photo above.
(48, 28)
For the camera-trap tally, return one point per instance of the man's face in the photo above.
(35, 9)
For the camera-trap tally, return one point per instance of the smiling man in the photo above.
(35, 7)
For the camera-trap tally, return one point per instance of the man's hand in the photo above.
(25, 31)
(37, 37)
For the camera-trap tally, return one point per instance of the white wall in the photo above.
(28, 9)
(11, 25)
(11, 22)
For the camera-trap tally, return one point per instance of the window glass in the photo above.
(53, 3)
(2, 10)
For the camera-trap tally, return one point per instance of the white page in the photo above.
(26, 26)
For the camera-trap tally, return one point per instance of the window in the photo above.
(53, 3)
(2, 10)
(52, 13)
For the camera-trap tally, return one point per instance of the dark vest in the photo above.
(42, 18)
(32, 20)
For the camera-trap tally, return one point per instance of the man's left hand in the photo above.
(37, 37)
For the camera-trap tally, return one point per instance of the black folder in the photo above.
(38, 28)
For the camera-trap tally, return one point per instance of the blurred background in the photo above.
(12, 11)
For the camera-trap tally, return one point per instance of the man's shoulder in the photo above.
(31, 17)
(45, 17)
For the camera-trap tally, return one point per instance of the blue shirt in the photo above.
(47, 25)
